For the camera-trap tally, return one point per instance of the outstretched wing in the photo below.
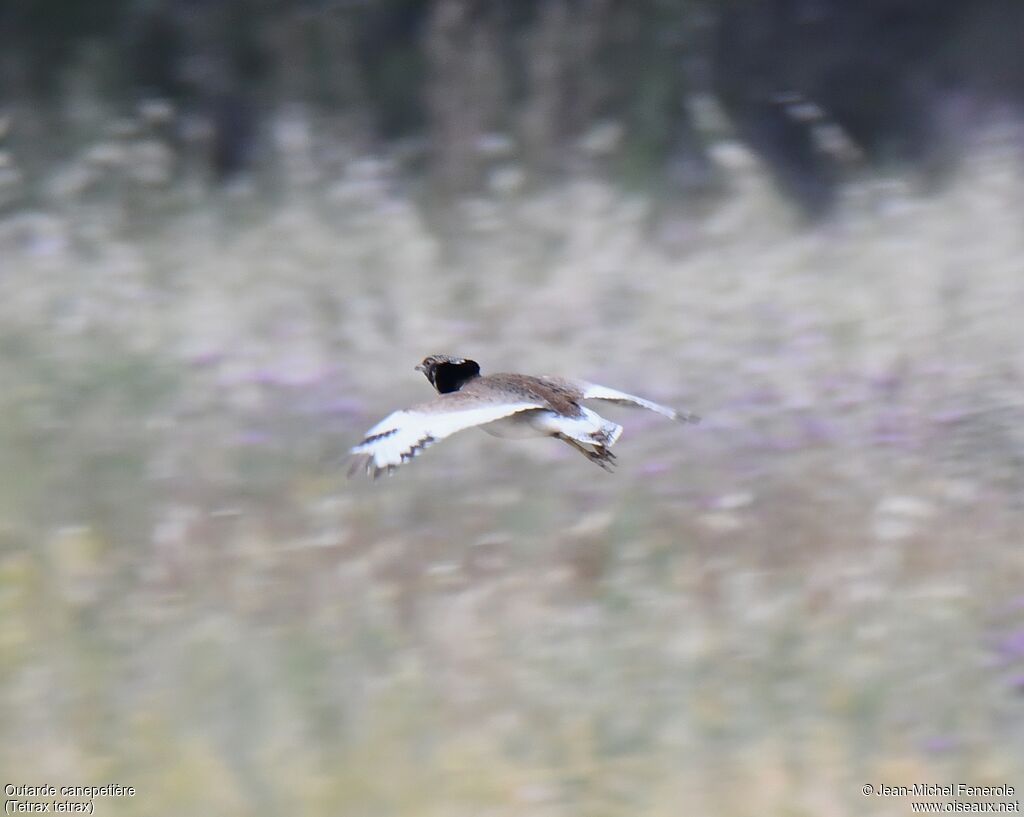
(592, 391)
(403, 434)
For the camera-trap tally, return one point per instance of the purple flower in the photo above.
(891, 429)
(816, 429)
(208, 358)
(1017, 682)
(940, 744)
(888, 383)
(950, 416)
(340, 406)
(261, 377)
(1011, 647)
(285, 378)
(757, 397)
(655, 469)
(254, 438)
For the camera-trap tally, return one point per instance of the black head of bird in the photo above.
(447, 373)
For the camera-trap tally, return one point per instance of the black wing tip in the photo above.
(687, 417)
(363, 461)
(357, 463)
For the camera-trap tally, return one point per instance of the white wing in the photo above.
(591, 391)
(403, 434)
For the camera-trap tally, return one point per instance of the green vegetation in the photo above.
(817, 587)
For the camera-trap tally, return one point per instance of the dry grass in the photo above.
(817, 587)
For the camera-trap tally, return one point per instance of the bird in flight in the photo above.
(504, 405)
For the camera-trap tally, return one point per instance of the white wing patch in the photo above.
(403, 434)
(592, 391)
(589, 428)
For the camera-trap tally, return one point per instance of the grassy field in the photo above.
(820, 586)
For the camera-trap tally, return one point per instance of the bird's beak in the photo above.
(419, 368)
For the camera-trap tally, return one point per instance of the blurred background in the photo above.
(229, 230)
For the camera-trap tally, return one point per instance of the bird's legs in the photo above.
(598, 454)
